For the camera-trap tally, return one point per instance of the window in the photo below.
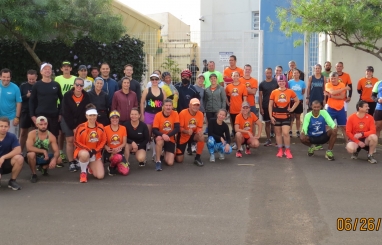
(255, 22)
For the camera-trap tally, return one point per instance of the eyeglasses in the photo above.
(79, 85)
(154, 79)
(245, 107)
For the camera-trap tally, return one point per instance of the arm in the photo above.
(350, 90)
(33, 102)
(374, 96)
(60, 97)
(261, 100)
(114, 103)
(143, 99)
(337, 91)
(270, 109)
(305, 123)
(175, 130)
(308, 87)
(349, 127)
(164, 95)
(359, 87)
(56, 151)
(251, 91)
(223, 98)
(136, 101)
(15, 151)
(372, 129)
(156, 132)
(18, 110)
(295, 104)
(77, 140)
(102, 142)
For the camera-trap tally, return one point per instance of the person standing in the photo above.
(88, 81)
(289, 75)
(186, 90)
(10, 100)
(94, 72)
(110, 86)
(211, 70)
(227, 73)
(25, 119)
(134, 84)
(265, 89)
(194, 70)
(377, 97)
(345, 79)
(252, 85)
(327, 69)
(298, 86)
(365, 87)
(124, 100)
(101, 100)
(316, 87)
(205, 66)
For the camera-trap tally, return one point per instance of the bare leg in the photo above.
(23, 137)
(372, 142)
(305, 140)
(268, 129)
(333, 137)
(343, 130)
(17, 164)
(97, 169)
(32, 161)
(285, 133)
(69, 148)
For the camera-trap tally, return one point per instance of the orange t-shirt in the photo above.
(166, 124)
(281, 102)
(236, 93)
(228, 72)
(89, 139)
(115, 138)
(250, 83)
(366, 85)
(77, 99)
(365, 125)
(188, 121)
(344, 78)
(335, 103)
(246, 123)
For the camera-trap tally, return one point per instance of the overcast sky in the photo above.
(186, 10)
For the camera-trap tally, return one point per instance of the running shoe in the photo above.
(158, 166)
(234, 146)
(354, 155)
(238, 154)
(311, 151)
(288, 154)
(123, 168)
(83, 177)
(198, 162)
(280, 153)
(318, 147)
(290, 133)
(371, 159)
(247, 151)
(212, 158)
(298, 134)
(221, 156)
(193, 148)
(73, 167)
(268, 142)
(111, 171)
(141, 164)
(34, 178)
(12, 184)
(329, 155)
(273, 134)
(189, 151)
(63, 158)
(44, 171)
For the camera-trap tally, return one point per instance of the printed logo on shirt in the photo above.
(340, 80)
(235, 92)
(282, 98)
(93, 137)
(317, 125)
(67, 87)
(167, 126)
(192, 123)
(54, 87)
(115, 139)
(247, 126)
(368, 84)
(247, 84)
(154, 103)
(361, 125)
(9, 92)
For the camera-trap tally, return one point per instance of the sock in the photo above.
(287, 146)
(84, 166)
(199, 147)
(280, 146)
(153, 148)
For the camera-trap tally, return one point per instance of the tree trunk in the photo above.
(31, 52)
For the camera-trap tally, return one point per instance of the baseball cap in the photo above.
(114, 113)
(370, 68)
(41, 119)
(213, 75)
(154, 75)
(45, 64)
(194, 101)
(245, 103)
(66, 63)
(82, 67)
(201, 75)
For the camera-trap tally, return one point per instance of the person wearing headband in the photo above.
(89, 140)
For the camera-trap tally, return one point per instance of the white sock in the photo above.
(153, 147)
(84, 166)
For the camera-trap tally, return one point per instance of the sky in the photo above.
(186, 10)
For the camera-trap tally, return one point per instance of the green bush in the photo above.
(83, 52)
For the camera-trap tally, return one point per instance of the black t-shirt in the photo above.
(140, 134)
(217, 131)
(267, 88)
(24, 89)
(44, 99)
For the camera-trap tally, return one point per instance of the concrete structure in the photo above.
(175, 43)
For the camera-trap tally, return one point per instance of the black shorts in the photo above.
(266, 115)
(6, 167)
(378, 115)
(319, 140)
(180, 148)
(53, 125)
(169, 147)
(299, 109)
(282, 122)
(26, 120)
(372, 106)
(366, 148)
(107, 155)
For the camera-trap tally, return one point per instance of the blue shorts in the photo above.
(42, 161)
(339, 116)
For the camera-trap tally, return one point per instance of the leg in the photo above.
(298, 121)
(285, 135)
(211, 144)
(343, 130)
(253, 143)
(127, 151)
(69, 148)
(140, 155)
(239, 140)
(292, 117)
(32, 161)
(23, 137)
(199, 139)
(97, 169)
(378, 125)
(159, 142)
(279, 137)
(179, 158)
(61, 139)
(372, 142)
(351, 147)
(268, 129)
(169, 158)
(332, 133)
(17, 164)
(305, 140)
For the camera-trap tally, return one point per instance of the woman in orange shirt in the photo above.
(279, 113)
(90, 138)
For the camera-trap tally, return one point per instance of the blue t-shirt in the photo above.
(8, 144)
(316, 126)
(297, 87)
(9, 97)
(378, 89)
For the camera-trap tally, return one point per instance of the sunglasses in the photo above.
(79, 85)
(154, 79)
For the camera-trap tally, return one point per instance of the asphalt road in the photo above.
(257, 199)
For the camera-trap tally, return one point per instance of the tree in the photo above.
(33, 21)
(352, 23)
(172, 66)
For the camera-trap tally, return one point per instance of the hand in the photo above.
(222, 140)
(1, 161)
(190, 131)
(361, 144)
(348, 99)
(290, 109)
(28, 94)
(226, 148)
(34, 120)
(16, 121)
(347, 88)
(142, 118)
(52, 163)
(116, 150)
(165, 137)
(250, 134)
(380, 100)
(134, 147)
(273, 120)
(358, 135)
(257, 137)
(261, 111)
(326, 93)
(46, 156)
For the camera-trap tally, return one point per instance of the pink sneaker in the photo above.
(247, 151)
(238, 154)
(115, 160)
(288, 154)
(123, 168)
(280, 153)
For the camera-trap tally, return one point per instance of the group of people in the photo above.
(102, 120)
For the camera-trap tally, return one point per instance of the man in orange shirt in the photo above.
(336, 93)
(365, 88)
(360, 128)
(345, 79)
(227, 74)
(191, 125)
(252, 85)
(245, 129)
(165, 127)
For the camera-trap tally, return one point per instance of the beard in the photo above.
(185, 81)
(327, 68)
(42, 130)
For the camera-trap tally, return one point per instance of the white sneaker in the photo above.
(212, 158)
(193, 148)
(221, 156)
(234, 146)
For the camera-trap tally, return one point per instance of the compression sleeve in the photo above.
(328, 119)
(175, 130)
(156, 132)
(351, 90)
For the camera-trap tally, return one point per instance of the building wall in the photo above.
(278, 49)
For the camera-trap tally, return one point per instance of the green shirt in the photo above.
(207, 81)
(66, 84)
(326, 73)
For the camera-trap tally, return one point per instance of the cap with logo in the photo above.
(114, 113)
(66, 63)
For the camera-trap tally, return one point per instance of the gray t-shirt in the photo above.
(200, 90)
(267, 88)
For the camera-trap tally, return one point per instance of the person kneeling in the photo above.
(219, 138)
(314, 131)
(37, 144)
(244, 126)
(361, 131)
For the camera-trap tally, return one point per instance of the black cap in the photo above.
(370, 68)
(82, 67)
